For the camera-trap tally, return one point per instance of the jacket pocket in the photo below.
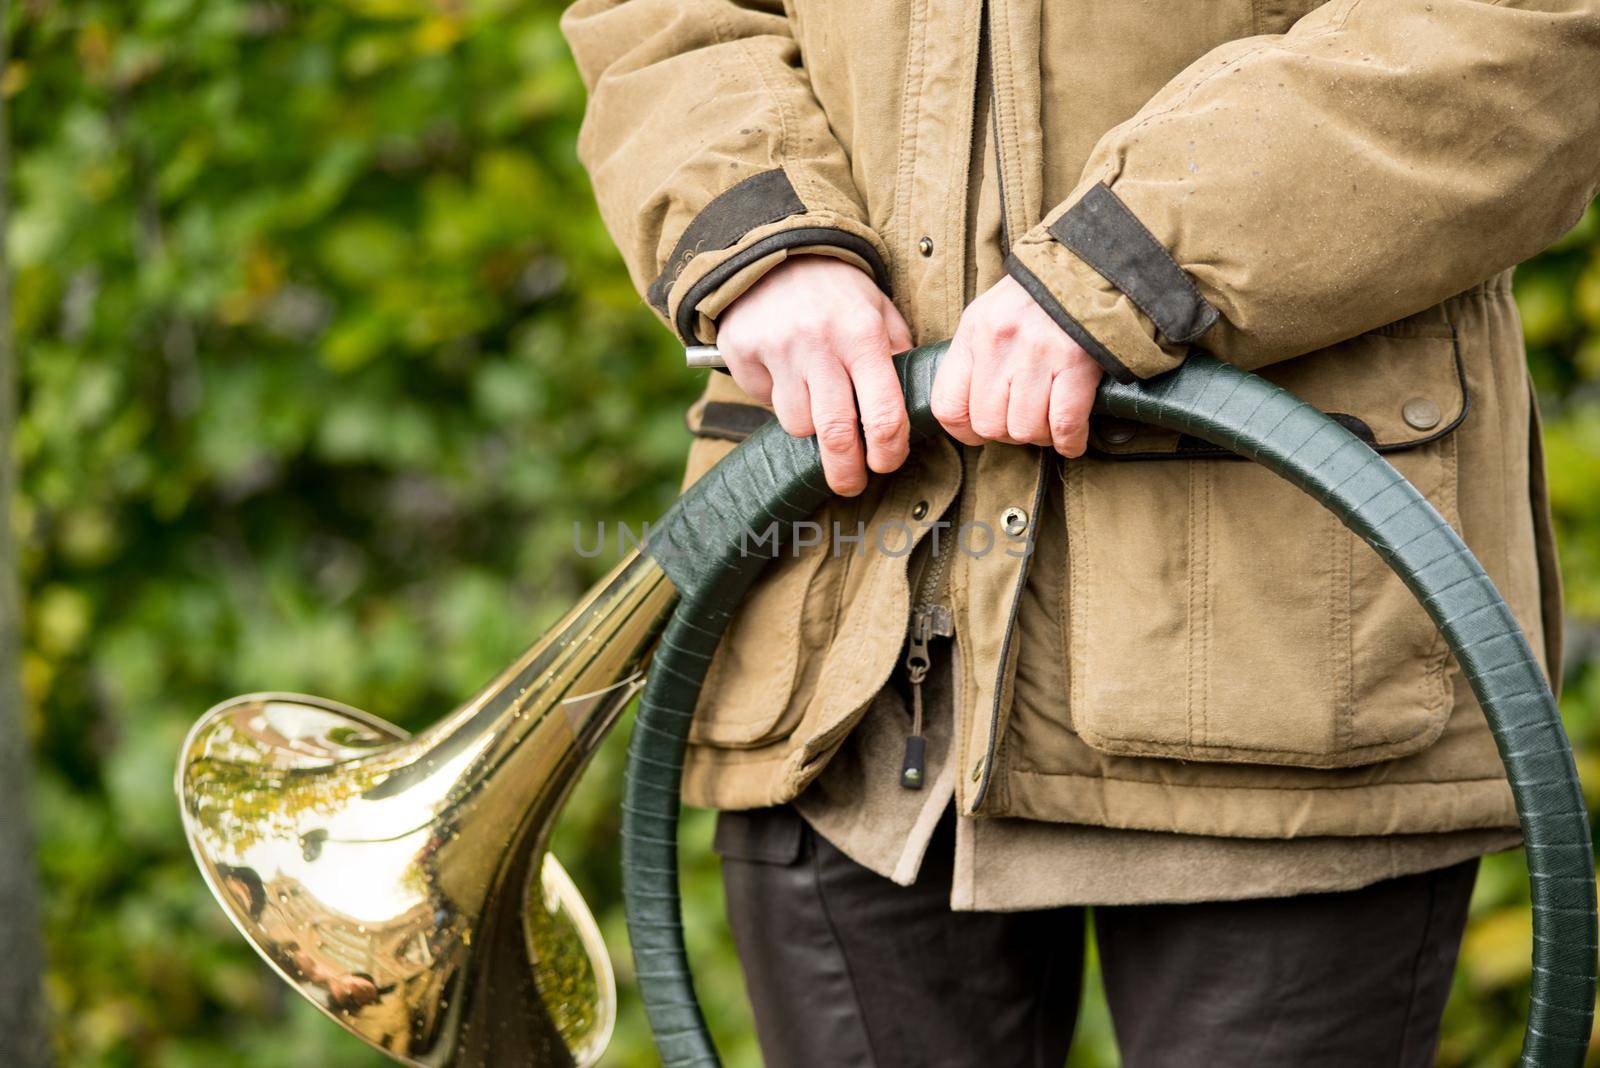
(1217, 613)
(751, 692)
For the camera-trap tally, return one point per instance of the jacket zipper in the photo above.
(929, 619)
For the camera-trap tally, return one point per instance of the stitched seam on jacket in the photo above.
(1003, 681)
(1341, 593)
(1450, 452)
(910, 113)
(1191, 623)
(1123, 747)
(1076, 592)
(956, 221)
(742, 47)
(1234, 787)
(1005, 107)
(1207, 622)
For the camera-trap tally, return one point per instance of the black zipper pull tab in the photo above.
(913, 768)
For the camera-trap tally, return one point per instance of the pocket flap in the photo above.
(1396, 388)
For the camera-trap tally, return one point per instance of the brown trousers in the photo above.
(848, 970)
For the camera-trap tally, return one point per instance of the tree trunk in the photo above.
(23, 1037)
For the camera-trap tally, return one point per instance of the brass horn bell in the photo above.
(402, 884)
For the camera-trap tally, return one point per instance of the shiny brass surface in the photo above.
(402, 884)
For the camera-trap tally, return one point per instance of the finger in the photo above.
(1071, 398)
(882, 406)
(1028, 409)
(748, 369)
(952, 385)
(990, 398)
(883, 414)
(833, 414)
(791, 402)
(895, 323)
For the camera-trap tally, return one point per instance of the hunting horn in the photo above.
(402, 884)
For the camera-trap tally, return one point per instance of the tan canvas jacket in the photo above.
(1160, 637)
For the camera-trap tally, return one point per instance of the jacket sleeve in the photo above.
(710, 156)
(1287, 192)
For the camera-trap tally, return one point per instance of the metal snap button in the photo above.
(925, 246)
(1421, 413)
(1117, 431)
(1014, 521)
(919, 509)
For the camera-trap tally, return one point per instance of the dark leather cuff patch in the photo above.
(758, 200)
(730, 420)
(1103, 233)
(1074, 329)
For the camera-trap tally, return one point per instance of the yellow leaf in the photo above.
(61, 617)
(438, 34)
(15, 78)
(1498, 949)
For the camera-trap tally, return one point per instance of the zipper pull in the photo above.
(914, 766)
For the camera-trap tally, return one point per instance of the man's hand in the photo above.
(1013, 375)
(815, 339)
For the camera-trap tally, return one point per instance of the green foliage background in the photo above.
(324, 352)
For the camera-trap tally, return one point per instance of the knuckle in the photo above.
(858, 324)
(836, 435)
(758, 391)
(883, 409)
(882, 431)
(988, 426)
(1023, 426)
(1044, 347)
(797, 426)
(1066, 426)
(1001, 329)
(863, 349)
(811, 335)
(949, 408)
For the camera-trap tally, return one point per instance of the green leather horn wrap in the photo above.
(774, 477)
